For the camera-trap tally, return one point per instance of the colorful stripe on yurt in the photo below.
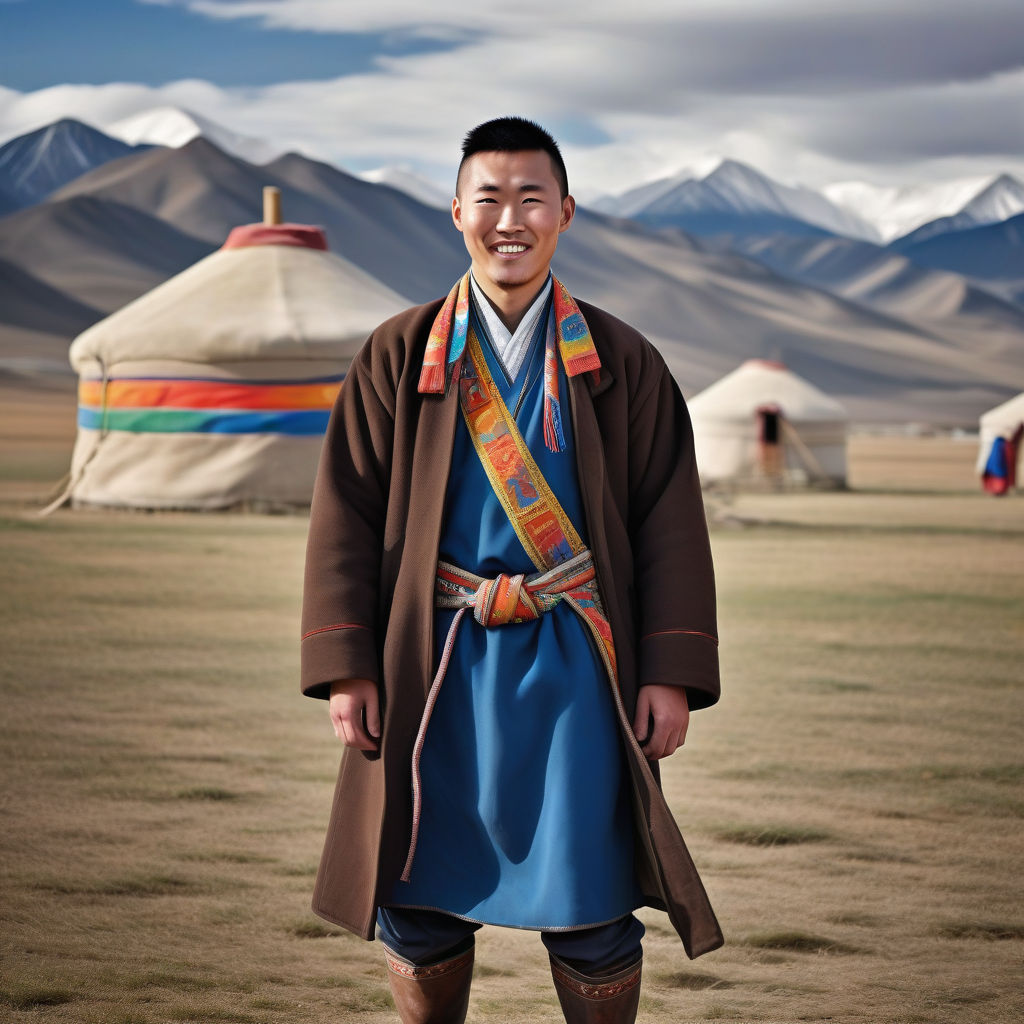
(205, 406)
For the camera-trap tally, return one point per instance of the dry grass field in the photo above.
(854, 803)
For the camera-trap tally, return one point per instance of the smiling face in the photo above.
(510, 211)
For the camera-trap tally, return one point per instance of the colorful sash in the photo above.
(565, 567)
(446, 348)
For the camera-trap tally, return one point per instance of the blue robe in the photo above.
(526, 818)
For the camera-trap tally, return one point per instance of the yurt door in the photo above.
(769, 448)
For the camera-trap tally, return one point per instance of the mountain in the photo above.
(1000, 200)
(98, 252)
(36, 321)
(205, 192)
(875, 276)
(895, 210)
(412, 184)
(8, 201)
(175, 127)
(946, 305)
(992, 254)
(706, 310)
(735, 198)
(34, 165)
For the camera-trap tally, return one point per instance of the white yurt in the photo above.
(214, 389)
(764, 424)
(1000, 431)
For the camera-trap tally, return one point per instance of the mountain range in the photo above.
(928, 328)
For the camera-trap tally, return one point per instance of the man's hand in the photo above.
(350, 700)
(671, 711)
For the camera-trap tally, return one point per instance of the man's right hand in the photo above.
(350, 699)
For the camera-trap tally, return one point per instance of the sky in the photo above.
(899, 92)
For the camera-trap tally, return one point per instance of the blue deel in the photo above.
(526, 817)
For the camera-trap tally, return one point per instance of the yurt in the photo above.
(762, 424)
(1000, 431)
(214, 389)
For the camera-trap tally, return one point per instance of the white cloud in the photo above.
(775, 84)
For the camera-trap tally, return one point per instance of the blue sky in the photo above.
(810, 91)
(97, 41)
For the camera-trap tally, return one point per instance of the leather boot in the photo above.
(611, 997)
(435, 994)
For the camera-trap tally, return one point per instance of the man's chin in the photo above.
(511, 278)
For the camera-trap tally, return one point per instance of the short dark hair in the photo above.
(513, 135)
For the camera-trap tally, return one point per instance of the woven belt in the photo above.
(495, 602)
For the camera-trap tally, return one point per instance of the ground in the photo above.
(853, 803)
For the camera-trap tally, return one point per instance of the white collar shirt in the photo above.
(510, 346)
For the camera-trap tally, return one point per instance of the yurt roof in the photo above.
(270, 292)
(761, 383)
(1007, 416)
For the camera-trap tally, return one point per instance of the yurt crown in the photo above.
(271, 204)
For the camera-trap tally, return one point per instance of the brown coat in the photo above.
(367, 612)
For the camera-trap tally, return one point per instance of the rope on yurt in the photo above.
(68, 483)
(809, 459)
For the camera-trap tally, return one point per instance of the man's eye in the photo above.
(486, 199)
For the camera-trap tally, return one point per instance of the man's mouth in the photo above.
(510, 248)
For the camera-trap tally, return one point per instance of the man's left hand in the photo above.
(671, 712)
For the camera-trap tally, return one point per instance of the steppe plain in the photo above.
(854, 802)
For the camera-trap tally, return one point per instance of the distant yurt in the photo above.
(214, 389)
(764, 425)
(999, 445)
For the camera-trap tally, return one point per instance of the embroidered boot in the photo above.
(435, 994)
(611, 997)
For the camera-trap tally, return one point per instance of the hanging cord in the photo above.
(69, 483)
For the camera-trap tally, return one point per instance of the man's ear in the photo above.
(457, 213)
(568, 212)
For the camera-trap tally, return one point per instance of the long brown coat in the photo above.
(367, 611)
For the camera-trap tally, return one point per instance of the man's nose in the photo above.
(510, 219)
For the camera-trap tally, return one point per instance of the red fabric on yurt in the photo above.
(306, 236)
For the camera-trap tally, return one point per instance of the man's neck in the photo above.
(510, 304)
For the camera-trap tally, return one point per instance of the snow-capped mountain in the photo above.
(897, 211)
(173, 126)
(36, 164)
(406, 180)
(999, 201)
(734, 197)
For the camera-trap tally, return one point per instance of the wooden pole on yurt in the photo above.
(271, 204)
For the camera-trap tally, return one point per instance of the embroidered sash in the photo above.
(565, 567)
(570, 339)
(534, 512)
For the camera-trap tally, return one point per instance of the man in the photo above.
(515, 455)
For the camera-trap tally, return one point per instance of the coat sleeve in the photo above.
(346, 524)
(673, 575)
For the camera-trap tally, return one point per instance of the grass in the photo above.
(166, 788)
(694, 981)
(206, 793)
(986, 930)
(314, 930)
(797, 942)
(770, 835)
(28, 997)
(151, 885)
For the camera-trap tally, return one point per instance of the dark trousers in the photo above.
(426, 936)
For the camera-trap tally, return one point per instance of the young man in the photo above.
(515, 455)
